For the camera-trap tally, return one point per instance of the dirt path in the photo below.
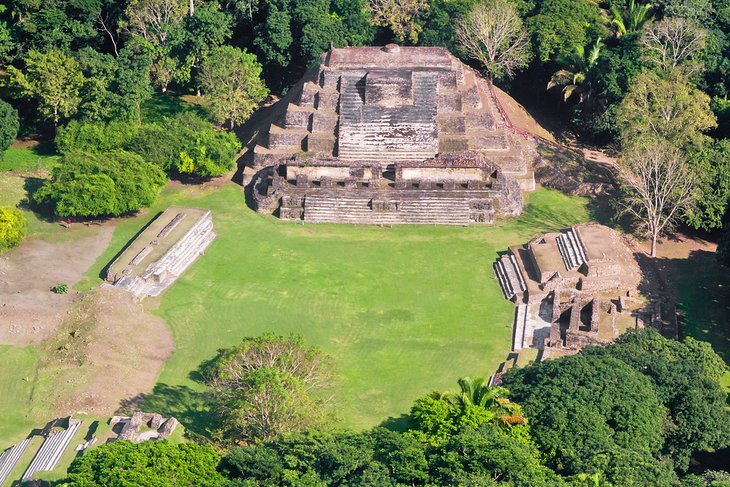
(29, 311)
(110, 349)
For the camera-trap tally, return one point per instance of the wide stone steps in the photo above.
(10, 457)
(349, 209)
(509, 276)
(520, 323)
(51, 450)
(571, 249)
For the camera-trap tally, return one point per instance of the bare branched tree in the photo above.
(154, 19)
(657, 186)
(672, 43)
(400, 16)
(493, 34)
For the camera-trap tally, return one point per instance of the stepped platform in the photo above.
(163, 251)
(388, 107)
(571, 289)
(51, 450)
(9, 458)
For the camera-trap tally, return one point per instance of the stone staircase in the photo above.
(50, 452)
(518, 329)
(370, 132)
(571, 249)
(161, 274)
(10, 457)
(426, 210)
(509, 276)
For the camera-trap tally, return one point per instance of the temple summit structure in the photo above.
(391, 135)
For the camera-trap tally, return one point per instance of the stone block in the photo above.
(327, 101)
(302, 180)
(320, 143)
(449, 102)
(296, 119)
(471, 98)
(324, 122)
(480, 121)
(452, 124)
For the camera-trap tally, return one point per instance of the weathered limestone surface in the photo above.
(389, 118)
(571, 289)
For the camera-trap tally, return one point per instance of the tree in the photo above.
(97, 138)
(686, 376)
(207, 28)
(674, 43)
(400, 16)
(95, 185)
(231, 80)
(437, 417)
(663, 108)
(493, 34)
(579, 79)
(582, 404)
(440, 21)
(158, 463)
(657, 187)
(723, 247)
(9, 126)
(711, 161)
(13, 228)
(54, 79)
(557, 26)
(631, 18)
(269, 386)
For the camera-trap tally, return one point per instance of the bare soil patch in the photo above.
(29, 311)
(109, 349)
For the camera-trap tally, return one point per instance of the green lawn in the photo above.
(24, 159)
(402, 310)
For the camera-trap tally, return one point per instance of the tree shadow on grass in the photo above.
(191, 407)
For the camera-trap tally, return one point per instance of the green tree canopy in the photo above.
(269, 386)
(13, 228)
(231, 80)
(9, 126)
(151, 463)
(94, 185)
(584, 404)
(711, 161)
(54, 79)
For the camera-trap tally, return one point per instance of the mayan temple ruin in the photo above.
(573, 288)
(391, 135)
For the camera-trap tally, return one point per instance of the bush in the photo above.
(93, 185)
(97, 137)
(60, 288)
(13, 228)
(9, 126)
(187, 144)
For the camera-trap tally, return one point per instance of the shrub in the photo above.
(9, 126)
(13, 227)
(93, 185)
(96, 137)
(60, 288)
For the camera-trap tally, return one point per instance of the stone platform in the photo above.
(394, 123)
(163, 251)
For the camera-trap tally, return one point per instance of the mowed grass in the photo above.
(21, 159)
(401, 310)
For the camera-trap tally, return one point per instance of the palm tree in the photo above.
(477, 392)
(577, 81)
(630, 19)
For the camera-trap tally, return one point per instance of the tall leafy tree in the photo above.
(400, 16)
(207, 28)
(13, 228)
(54, 79)
(674, 44)
(711, 161)
(231, 79)
(557, 26)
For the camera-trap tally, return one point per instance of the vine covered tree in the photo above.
(657, 186)
(231, 79)
(493, 34)
(269, 386)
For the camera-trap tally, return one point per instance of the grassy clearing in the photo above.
(20, 159)
(402, 310)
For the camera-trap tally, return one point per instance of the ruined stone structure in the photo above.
(163, 251)
(389, 135)
(571, 289)
(53, 446)
(144, 426)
